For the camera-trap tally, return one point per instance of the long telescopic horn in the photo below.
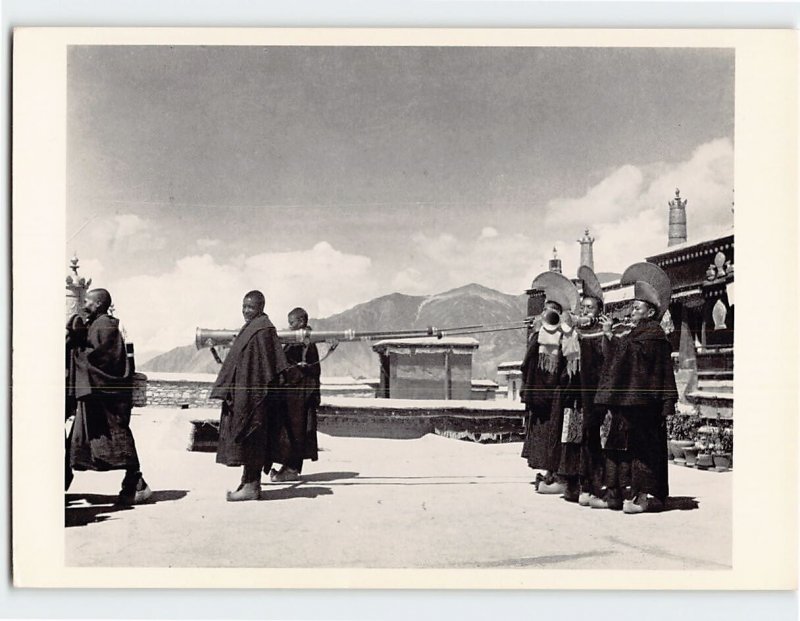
(205, 337)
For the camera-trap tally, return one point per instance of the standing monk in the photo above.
(101, 434)
(247, 384)
(297, 428)
(550, 362)
(638, 387)
(593, 346)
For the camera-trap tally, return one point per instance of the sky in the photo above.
(327, 176)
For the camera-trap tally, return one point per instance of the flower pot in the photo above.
(705, 461)
(678, 447)
(722, 461)
(690, 452)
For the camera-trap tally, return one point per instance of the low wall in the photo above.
(180, 390)
(191, 390)
(476, 421)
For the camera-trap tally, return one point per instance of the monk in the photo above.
(102, 391)
(638, 386)
(247, 386)
(548, 368)
(593, 346)
(296, 437)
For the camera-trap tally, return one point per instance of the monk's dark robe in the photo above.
(76, 336)
(247, 384)
(297, 430)
(101, 383)
(592, 459)
(638, 386)
(542, 393)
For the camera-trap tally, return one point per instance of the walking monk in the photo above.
(101, 386)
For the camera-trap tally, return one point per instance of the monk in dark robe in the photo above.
(593, 346)
(296, 437)
(247, 385)
(638, 387)
(102, 392)
(546, 378)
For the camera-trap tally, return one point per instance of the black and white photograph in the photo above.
(401, 306)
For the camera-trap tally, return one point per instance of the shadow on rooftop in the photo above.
(297, 490)
(321, 477)
(681, 503)
(102, 506)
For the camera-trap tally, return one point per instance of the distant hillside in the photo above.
(469, 305)
(184, 359)
(605, 277)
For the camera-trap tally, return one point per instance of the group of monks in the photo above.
(597, 396)
(597, 393)
(269, 394)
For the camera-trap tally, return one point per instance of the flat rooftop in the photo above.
(430, 502)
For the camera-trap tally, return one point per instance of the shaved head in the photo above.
(102, 298)
(97, 302)
(257, 297)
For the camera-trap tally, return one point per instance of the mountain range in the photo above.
(469, 305)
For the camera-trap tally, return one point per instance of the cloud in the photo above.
(606, 201)
(626, 212)
(411, 281)
(620, 200)
(162, 311)
(125, 233)
(499, 261)
(208, 243)
(129, 224)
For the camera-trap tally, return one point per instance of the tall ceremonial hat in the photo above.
(557, 288)
(650, 283)
(591, 284)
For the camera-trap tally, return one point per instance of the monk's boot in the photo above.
(610, 500)
(134, 490)
(585, 498)
(643, 503)
(284, 475)
(245, 491)
(143, 492)
(551, 485)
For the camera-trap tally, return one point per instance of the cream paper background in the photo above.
(765, 478)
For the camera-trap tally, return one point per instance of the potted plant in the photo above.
(723, 454)
(706, 441)
(681, 431)
(690, 454)
(704, 460)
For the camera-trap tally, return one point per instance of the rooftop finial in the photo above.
(677, 219)
(554, 265)
(586, 242)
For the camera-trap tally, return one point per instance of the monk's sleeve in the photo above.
(100, 365)
(670, 395)
(526, 361)
(313, 370)
(107, 349)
